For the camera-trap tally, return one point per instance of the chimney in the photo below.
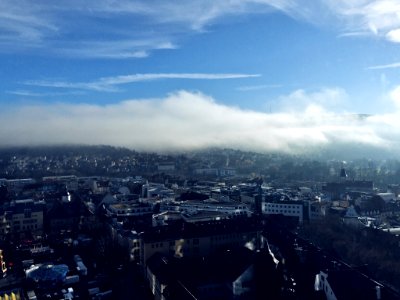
(378, 292)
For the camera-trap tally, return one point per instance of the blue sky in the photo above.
(271, 60)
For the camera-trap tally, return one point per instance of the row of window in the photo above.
(139, 210)
(171, 243)
(283, 206)
(17, 217)
(29, 221)
(196, 241)
(27, 227)
(283, 211)
(213, 207)
(227, 236)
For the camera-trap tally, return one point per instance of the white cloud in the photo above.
(379, 17)
(108, 84)
(195, 14)
(186, 120)
(35, 94)
(118, 49)
(395, 97)
(71, 27)
(25, 22)
(325, 99)
(355, 34)
(388, 66)
(394, 35)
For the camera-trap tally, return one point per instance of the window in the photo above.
(27, 213)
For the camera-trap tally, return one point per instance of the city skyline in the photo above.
(263, 75)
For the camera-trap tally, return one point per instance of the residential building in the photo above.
(23, 218)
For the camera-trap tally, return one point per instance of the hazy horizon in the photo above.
(190, 121)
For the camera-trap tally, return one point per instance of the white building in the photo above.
(286, 208)
(232, 208)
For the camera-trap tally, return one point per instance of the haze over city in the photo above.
(290, 76)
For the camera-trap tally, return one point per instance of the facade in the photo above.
(206, 216)
(286, 208)
(241, 284)
(182, 239)
(128, 209)
(196, 240)
(16, 185)
(156, 271)
(231, 208)
(322, 284)
(235, 273)
(70, 216)
(23, 218)
(318, 210)
(336, 189)
(100, 186)
(70, 181)
(349, 284)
